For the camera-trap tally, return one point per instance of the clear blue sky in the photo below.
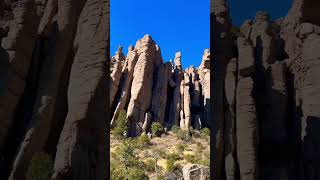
(175, 25)
(246, 9)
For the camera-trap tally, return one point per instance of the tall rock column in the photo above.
(230, 119)
(275, 141)
(141, 91)
(50, 78)
(204, 75)
(82, 147)
(221, 44)
(175, 105)
(16, 54)
(311, 102)
(185, 112)
(159, 97)
(127, 70)
(246, 123)
(116, 73)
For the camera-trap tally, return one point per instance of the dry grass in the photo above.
(166, 143)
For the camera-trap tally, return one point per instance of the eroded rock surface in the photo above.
(53, 71)
(161, 91)
(265, 125)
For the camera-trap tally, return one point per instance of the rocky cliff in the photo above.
(53, 78)
(266, 94)
(151, 90)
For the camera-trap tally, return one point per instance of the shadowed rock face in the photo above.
(265, 125)
(160, 92)
(53, 71)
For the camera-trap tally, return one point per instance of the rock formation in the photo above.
(265, 94)
(53, 71)
(151, 90)
(193, 171)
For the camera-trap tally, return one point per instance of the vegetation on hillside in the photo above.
(159, 156)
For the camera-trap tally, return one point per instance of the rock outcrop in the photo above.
(265, 94)
(53, 71)
(160, 91)
(193, 171)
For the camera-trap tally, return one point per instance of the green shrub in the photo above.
(137, 174)
(143, 142)
(157, 129)
(125, 163)
(181, 147)
(160, 177)
(190, 158)
(175, 129)
(183, 135)
(117, 171)
(205, 133)
(206, 159)
(199, 147)
(173, 156)
(121, 125)
(199, 158)
(150, 165)
(173, 167)
(160, 152)
(41, 167)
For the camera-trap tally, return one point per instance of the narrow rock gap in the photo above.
(24, 111)
(61, 108)
(168, 103)
(118, 94)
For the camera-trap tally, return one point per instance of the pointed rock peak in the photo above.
(147, 38)
(177, 60)
(178, 54)
(130, 48)
(119, 51)
(205, 64)
(220, 8)
(262, 16)
(119, 56)
(206, 52)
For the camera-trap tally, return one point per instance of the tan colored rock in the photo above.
(194, 171)
(185, 112)
(116, 74)
(204, 75)
(146, 123)
(141, 91)
(159, 97)
(175, 106)
(177, 60)
(127, 70)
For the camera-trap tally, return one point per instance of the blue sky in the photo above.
(175, 25)
(246, 9)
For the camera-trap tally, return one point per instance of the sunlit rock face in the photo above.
(162, 90)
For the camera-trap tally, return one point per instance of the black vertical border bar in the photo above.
(107, 56)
